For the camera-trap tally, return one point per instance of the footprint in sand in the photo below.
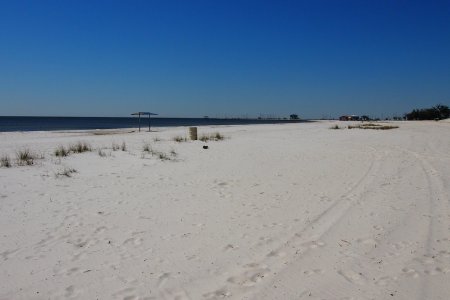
(436, 271)
(133, 241)
(378, 227)
(352, 276)
(251, 277)
(70, 292)
(401, 245)
(72, 271)
(313, 272)
(124, 292)
(162, 279)
(8, 253)
(385, 280)
(100, 230)
(313, 244)
(174, 294)
(409, 272)
(276, 253)
(220, 293)
(230, 247)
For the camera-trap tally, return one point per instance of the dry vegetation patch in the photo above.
(25, 157)
(5, 161)
(80, 147)
(217, 136)
(61, 151)
(66, 172)
(372, 126)
(179, 139)
(335, 127)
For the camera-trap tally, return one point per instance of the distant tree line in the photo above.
(437, 112)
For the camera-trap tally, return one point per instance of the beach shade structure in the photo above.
(142, 113)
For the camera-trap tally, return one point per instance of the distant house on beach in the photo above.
(349, 118)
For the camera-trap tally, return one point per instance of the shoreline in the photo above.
(15, 124)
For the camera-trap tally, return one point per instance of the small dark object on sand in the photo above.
(205, 147)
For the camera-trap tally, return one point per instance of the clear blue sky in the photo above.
(194, 58)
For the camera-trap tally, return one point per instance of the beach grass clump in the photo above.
(217, 136)
(335, 127)
(156, 139)
(115, 147)
(204, 138)
(179, 139)
(123, 147)
(173, 153)
(163, 156)
(25, 157)
(80, 147)
(5, 161)
(61, 151)
(101, 153)
(66, 172)
(147, 148)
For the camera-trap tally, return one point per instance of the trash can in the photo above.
(193, 133)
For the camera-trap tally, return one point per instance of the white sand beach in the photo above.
(293, 211)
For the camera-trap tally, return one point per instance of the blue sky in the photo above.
(223, 58)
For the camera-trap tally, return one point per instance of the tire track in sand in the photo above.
(242, 280)
(437, 192)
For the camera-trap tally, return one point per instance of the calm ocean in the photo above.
(83, 123)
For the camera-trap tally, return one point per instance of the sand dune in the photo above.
(294, 211)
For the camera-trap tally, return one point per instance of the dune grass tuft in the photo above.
(5, 162)
(335, 127)
(163, 156)
(61, 151)
(25, 157)
(115, 147)
(80, 147)
(204, 138)
(179, 139)
(147, 148)
(123, 147)
(101, 153)
(217, 136)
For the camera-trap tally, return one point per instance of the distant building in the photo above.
(364, 118)
(349, 118)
